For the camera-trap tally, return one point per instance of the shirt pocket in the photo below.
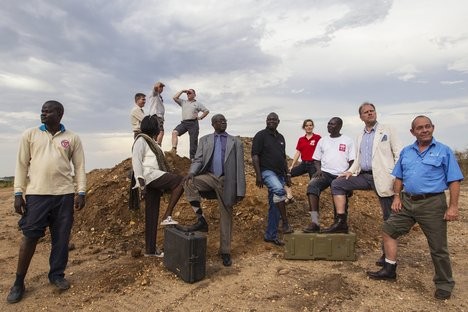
(435, 161)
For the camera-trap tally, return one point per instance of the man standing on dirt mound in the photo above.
(271, 169)
(44, 177)
(218, 167)
(190, 117)
(157, 108)
(424, 171)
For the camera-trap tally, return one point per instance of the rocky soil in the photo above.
(108, 273)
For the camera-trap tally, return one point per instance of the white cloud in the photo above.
(460, 65)
(24, 83)
(445, 82)
(306, 59)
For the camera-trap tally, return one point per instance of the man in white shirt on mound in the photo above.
(333, 156)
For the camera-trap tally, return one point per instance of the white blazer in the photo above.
(385, 152)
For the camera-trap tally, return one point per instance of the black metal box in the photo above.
(185, 254)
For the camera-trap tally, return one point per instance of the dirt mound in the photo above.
(107, 222)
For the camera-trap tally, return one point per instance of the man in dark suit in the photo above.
(218, 167)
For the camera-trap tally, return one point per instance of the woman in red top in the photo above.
(305, 149)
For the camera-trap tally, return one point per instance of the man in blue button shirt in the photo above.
(423, 172)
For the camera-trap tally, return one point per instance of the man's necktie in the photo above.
(217, 157)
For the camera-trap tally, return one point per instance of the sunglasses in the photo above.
(189, 92)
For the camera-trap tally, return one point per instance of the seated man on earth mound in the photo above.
(333, 155)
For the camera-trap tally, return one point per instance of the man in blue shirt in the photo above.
(423, 172)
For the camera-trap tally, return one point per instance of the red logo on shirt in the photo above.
(342, 148)
(65, 143)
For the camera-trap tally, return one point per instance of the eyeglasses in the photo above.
(189, 92)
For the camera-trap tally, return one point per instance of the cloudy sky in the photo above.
(302, 59)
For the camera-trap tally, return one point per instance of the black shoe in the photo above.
(388, 272)
(442, 294)
(275, 241)
(226, 259)
(340, 226)
(200, 226)
(61, 283)
(312, 228)
(380, 262)
(16, 293)
(287, 229)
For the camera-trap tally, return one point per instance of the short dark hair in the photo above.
(138, 96)
(150, 125)
(216, 116)
(56, 105)
(364, 104)
(339, 121)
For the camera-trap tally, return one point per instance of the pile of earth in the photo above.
(107, 222)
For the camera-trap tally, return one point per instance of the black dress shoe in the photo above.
(388, 272)
(312, 228)
(275, 241)
(200, 226)
(16, 293)
(61, 283)
(226, 259)
(380, 262)
(442, 294)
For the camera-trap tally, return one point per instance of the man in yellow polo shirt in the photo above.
(45, 193)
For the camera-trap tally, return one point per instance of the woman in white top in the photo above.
(152, 177)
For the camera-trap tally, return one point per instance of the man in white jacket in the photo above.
(378, 149)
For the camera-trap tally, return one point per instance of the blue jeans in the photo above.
(276, 192)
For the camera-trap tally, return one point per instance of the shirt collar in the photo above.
(272, 132)
(374, 128)
(416, 146)
(223, 134)
(43, 128)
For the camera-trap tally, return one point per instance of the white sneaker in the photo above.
(158, 254)
(169, 221)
